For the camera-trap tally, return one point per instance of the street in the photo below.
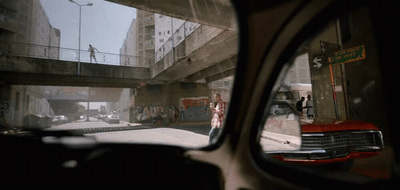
(183, 134)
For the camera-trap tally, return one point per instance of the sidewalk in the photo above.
(283, 139)
(177, 124)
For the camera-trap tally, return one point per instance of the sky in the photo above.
(104, 25)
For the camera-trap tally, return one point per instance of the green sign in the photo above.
(348, 55)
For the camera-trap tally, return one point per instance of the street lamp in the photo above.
(79, 47)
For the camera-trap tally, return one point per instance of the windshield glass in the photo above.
(116, 72)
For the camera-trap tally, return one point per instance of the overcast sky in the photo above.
(104, 25)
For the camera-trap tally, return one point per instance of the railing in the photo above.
(68, 54)
(177, 37)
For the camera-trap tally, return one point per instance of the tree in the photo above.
(64, 107)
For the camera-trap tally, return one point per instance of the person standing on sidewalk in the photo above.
(309, 106)
(299, 105)
(218, 109)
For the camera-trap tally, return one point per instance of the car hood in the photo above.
(332, 125)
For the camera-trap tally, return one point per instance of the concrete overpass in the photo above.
(214, 13)
(214, 57)
(36, 71)
(208, 54)
(82, 94)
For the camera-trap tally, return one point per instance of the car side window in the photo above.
(336, 102)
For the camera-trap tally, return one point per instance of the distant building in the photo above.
(128, 50)
(299, 72)
(25, 30)
(25, 25)
(165, 27)
(144, 38)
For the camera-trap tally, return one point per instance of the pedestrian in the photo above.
(92, 55)
(309, 106)
(218, 109)
(299, 105)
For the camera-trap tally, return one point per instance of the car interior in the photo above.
(273, 35)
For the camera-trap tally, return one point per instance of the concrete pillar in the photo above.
(322, 95)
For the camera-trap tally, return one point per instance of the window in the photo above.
(163, 82)
(324, 90)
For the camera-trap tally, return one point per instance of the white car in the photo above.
(112, 118)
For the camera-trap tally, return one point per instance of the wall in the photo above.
(169, 98)
(200, 36)
(359, 92)
(30, 101)
(365, 95)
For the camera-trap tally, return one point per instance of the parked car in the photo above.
(37, 121)
(56, 120)
(112, 118)
(286, 96)
(324, 141)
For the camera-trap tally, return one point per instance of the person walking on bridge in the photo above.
(92, 55)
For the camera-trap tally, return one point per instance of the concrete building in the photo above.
(22, 100)
(165, 26)
(145, 38)
(45, 38)
(169, 32)
(299, 72)
(25, 30)
(128, 50)
(14, 20)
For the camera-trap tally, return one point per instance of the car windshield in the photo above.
(113, 71)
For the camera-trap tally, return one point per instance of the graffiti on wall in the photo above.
(193, 109)
(190, 109)
(156, 114)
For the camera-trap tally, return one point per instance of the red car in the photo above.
(323, 141)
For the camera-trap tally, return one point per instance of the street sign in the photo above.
(320, 61)
(348, 55)
(317, 61)
(328, 48)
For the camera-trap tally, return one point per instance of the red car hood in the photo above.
(330, 125)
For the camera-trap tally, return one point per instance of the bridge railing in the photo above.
(68, 54)
(177, 37)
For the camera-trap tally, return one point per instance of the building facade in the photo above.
(145, 38)
(128, 50)
(25, 30)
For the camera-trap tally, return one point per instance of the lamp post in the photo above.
(88, 109)
(79, 47)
